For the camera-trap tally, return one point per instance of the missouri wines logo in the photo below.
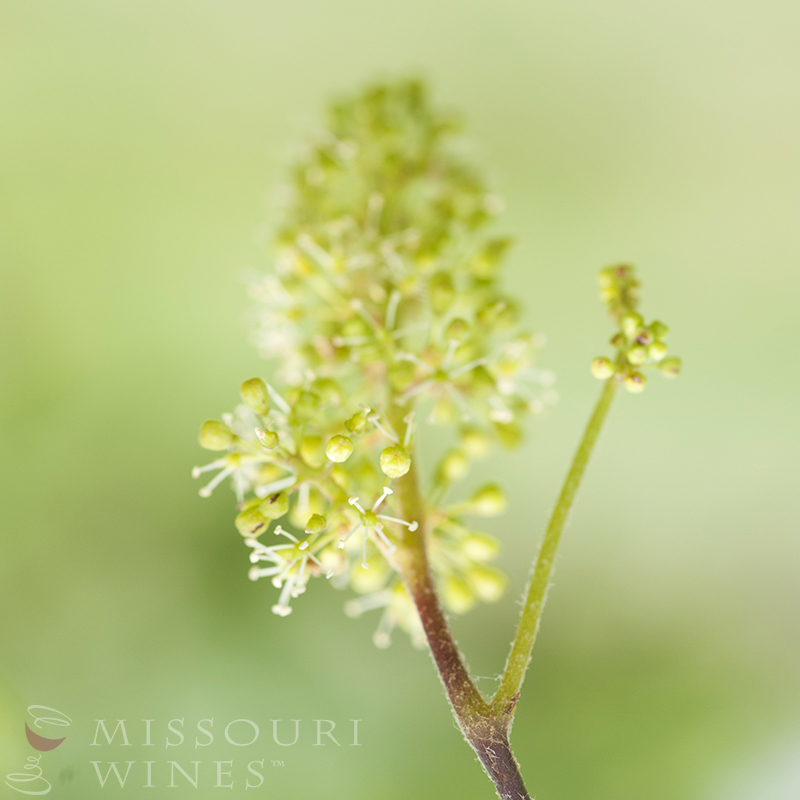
(32, 780)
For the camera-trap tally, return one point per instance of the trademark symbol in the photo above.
(277, 763)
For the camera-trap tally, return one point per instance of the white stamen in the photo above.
(328, 573)
(279, 401)
(466, 413)
(478, 362)
(369, 602)
(276, 486)
(354, 502)
(412, 526)
(206, 490)
(382, 637)
(218, 464)
(279, 531)
(342, 542)
(256, 572)
(364, 563)
(415, 360)
(409, 421)
(415, 390)
(376, 420)
(386, 492)
(389, 546)
(321, 256)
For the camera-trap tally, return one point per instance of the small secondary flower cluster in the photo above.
(638, 345)
(386, 315)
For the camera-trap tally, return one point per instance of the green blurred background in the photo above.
(138, 144)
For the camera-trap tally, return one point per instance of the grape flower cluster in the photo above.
(385, 316)
(639, 346)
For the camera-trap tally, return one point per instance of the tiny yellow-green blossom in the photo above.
(454, 466)
(658, 329)
(339, 448)
(251, 521)
(670, 367)
(637, 355)
(602, 368)
(385, 314)
(475, 442)
(488, 582)
(256, 396)
(395, 461)
(316, 524)
(635, 382)
(639, 346)
(657, 350)
(215, 435)
(488, 501)
(311, 451)
(269, 439)
(274, 506)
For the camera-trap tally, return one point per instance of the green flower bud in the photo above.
(635, 382)
(507, 316)
(255, 396)
(395, 462)
(356, 423)
(475, 442)
(457, 330)
(457, 595)
(316, 524)
(454, 466)
(509, 433)
(275, 506)
(617, 340)
(637, 355)
(602, 368)
(216, 435)
(480, 546)
(488, 501)
(268, 473)
(250, 521)
(657, 350)
(311, 451)
(307, 403)
(670, 367)
(445, 411)
(339, 448)
(485, 264)
(489, 583)
(268, 439)
(328, 391)
(658, 329)
(630, 324)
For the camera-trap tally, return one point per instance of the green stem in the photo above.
(486, 733)
(505, 699)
